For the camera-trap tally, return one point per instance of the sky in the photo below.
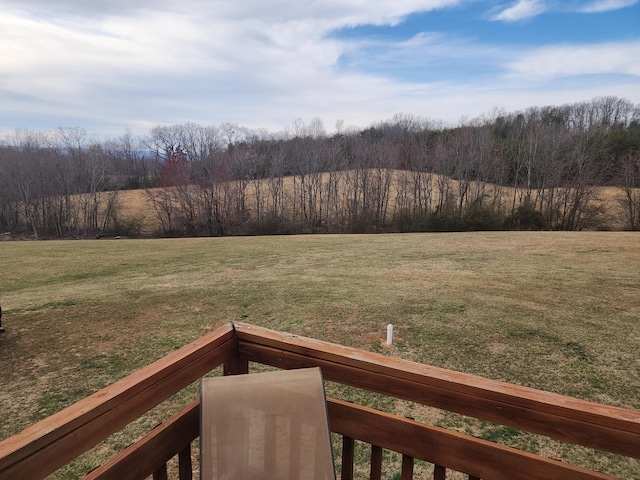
(111, 65)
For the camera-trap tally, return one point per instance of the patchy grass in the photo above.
(550, 310)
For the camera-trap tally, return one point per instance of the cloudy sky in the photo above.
(108, 65)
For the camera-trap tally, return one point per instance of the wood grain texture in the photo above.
(150, 453)
(51, 443)
(449, 449)
(603, 427)
(42, 448)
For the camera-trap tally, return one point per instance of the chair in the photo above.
(269, 425)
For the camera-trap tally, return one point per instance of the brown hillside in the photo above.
(136, 205)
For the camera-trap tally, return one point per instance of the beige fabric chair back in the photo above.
(265, 426)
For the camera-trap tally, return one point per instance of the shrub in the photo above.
(526, 217)
(482, 219)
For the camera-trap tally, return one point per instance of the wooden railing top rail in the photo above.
(141, 459)
(456, 451)
(603, 427)
(53, 442)
(472, 456)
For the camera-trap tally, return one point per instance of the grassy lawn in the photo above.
(551, 310)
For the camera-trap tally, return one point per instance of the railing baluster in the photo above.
(376, 463)
(161, 473)
(407, 467)
(347, 458)
(185, 469)
(439, 472)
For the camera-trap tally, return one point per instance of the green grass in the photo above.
(550, 310)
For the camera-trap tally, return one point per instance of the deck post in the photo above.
(234, 364)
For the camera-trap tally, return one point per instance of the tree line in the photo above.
(542, 168)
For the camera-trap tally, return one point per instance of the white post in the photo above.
(389, 334)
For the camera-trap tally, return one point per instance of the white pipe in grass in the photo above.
(389, 334)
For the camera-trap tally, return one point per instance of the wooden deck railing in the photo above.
(46, 446)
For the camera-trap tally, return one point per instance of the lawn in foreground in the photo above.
(551, 310)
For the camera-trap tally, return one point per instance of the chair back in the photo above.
(269, 425)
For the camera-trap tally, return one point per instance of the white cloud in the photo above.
(607, 5)
(521, 10)
(569, 60)
(191, 35)
(117, 64)
(175, 59)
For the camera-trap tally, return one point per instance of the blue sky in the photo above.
(109, 65)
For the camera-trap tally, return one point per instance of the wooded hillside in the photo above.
(570, 167)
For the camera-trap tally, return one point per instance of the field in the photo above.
(550, 310)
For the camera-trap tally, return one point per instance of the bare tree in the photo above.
(573, 205)
(443, 167)
(132, 160)
(629, 181)
(28, 168)
(162, 202)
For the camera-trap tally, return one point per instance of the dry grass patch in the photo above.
(550, 310)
